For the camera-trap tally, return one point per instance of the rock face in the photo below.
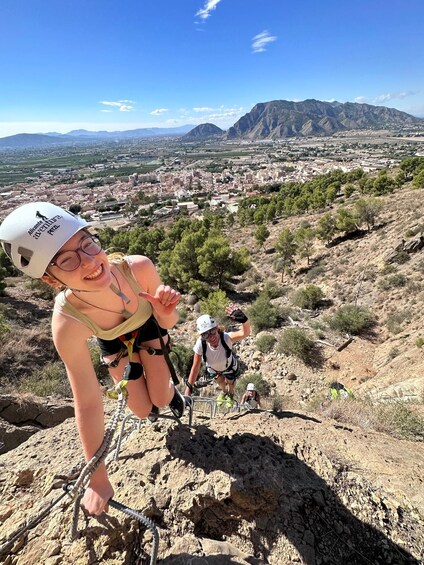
(21, 417)
(282, 118)
(243, 488)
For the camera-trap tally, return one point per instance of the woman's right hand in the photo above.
(96, 498)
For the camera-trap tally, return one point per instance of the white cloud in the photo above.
(106, 111)
(221, 116)
(158, 111)
(122, 105)
(205, 12)
(260, 41)
(386, 97)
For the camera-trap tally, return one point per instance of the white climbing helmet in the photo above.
(32, 234)
(205, 323)
(250, 386)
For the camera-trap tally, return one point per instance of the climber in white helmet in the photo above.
(215, 347)
(251, 398)
(119, 300)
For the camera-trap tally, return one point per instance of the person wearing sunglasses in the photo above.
(214, 346)
(120, 301)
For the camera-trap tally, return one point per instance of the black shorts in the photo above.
(148, 331)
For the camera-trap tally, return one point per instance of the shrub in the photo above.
(351, 319)
(215, 305)
(401, 257)
(50, 380)
(393, 418)
(393, 281)
(315, 272)
(262, 314)
(419, 342)
(182, 358)
(309, 297)
(277, 403)
(273, 290)
(42, 289)
(265, 343)
(294, 341)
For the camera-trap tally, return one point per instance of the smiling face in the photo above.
(93, 272)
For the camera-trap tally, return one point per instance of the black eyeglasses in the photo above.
(205, 335)
(71, 260)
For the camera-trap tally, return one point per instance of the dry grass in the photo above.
(396, 418)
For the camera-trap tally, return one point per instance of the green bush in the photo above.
(214, 305)
(393, 281)
(401, 257)
(402, 421)
(262, 314)
(309, 297)
(50, 380)
(351, 319)
(419, 342)
(295, 342)
(182, 359)
(273, 290)
(315, 272)
(277, 403)
(265, 343)
(42, 289)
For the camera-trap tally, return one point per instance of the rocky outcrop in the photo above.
(22, 416)
(245, 488)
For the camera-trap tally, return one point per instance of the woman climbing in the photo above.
(214, 347)
(122, 302)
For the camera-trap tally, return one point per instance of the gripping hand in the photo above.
(237, 315)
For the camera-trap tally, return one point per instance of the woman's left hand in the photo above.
(164, 301)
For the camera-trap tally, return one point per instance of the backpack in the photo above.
(228, 351)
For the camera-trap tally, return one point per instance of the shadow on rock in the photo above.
(275, 500)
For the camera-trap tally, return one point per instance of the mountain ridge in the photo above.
(282, 118)
(274, 119)
(24, 140)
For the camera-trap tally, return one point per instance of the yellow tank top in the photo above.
(140, 316)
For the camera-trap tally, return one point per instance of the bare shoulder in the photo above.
(144, 271)
(68, 333)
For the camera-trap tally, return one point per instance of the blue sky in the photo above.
(114, 65)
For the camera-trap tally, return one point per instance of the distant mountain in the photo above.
(132, 133)
(203, 131)
(28, 140)
(282, 118)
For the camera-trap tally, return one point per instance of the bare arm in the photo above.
(194, 372)
(163, 298)
(70, 339)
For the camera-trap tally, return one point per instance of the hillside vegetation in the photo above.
(330, 274)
